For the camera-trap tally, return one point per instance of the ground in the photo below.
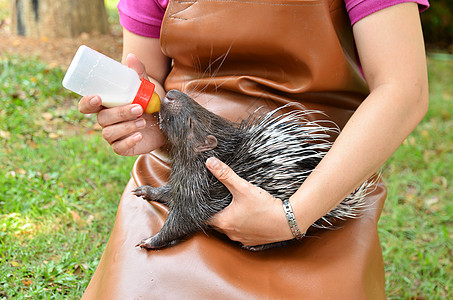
(58, 52)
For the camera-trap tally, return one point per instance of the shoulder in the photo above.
(142, 17)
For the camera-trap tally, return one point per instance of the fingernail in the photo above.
(140, 123)
(95, 101)
(137, 137)
(213, 163)
(137, 110)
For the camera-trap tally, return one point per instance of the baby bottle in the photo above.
(93, 73)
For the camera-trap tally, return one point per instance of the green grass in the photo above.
(59, 185)
(112, 14)
(416, 228)
(4, 9)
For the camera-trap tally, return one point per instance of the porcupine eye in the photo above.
(190, 131)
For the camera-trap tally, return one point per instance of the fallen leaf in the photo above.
(26, 282)
(409, 141)
(425, 133)
(21, 171)
(46, 177)
(47, 116)
(5, 134)
(14, 263)
(19, 94)
(441, 181)
(90, 219)
(75, 216)
(32, 144)
(78, 269)
(54, 135)
(431, 201)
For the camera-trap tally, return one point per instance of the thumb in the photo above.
(135, 64)
(224, 174)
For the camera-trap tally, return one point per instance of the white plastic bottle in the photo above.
(93, 73)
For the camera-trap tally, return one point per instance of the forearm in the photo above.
(370, 137)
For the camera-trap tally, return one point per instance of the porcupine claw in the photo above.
(143, 191)
(264, 246)
(145, 244)
(149, 193)
(154, 242)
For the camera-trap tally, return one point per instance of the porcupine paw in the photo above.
(147, 244)
(257, 248)
(153, 242)
(265, 246)
(253, 248)
(145, 191)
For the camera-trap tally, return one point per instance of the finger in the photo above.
(225, 175)
(90, 104)
(119, 114)
(116, 132)
(126, 146)
(134, 63)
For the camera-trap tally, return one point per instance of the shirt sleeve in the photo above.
(142, 17)
(359, 9)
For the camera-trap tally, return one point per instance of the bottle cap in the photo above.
(144, 94)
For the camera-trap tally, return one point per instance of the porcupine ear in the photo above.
(209, 143)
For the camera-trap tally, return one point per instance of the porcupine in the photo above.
(275, 151)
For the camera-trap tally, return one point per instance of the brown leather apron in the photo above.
(235, 56)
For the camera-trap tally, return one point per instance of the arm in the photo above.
(124, 127)
(391, 49)
(148, 51)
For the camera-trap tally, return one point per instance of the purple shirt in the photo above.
(144, 17)
(359, 9)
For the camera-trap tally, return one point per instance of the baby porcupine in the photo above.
(273, 151)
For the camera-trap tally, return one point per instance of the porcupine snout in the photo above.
(172, 102)
(170, 109)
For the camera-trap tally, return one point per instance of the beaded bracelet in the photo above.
(292, 220)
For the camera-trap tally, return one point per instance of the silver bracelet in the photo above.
(292, 220)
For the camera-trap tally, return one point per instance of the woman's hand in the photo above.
(126, 128)
(254, 217)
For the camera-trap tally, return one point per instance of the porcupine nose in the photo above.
(167, 99)
(171, 101)
(172, 95)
